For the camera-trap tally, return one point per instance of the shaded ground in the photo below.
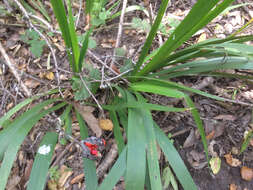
(225, 124)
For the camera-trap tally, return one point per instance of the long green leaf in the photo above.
(10, 154)
(143, 105)
(182, 33)
(115, 173)
(151, 35)
(174, 85)
(89, 166)
(84, 49)
(61, 17)
(42, 161)
(152, 153)
(116, 131)
(12, 128)
(175, 160)
(165, 91)
(73, 36)
(136, 154)
(14, 110)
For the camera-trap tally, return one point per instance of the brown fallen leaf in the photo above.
(30, 83)
(232, 186)
(246, 173)
(106, 124)
(77, 179)
(92, 122)
(232, 161)
(210, 135)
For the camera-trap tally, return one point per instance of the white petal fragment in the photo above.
(45, 149)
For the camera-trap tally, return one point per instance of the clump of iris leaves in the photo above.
(137, 159)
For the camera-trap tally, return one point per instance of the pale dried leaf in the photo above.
(190, 140)
(65, 173)
(30, 83)
(92, 122)
(232, 161)
(246, 173)
(215, 164)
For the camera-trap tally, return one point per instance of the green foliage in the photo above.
(129, 111)
(78, 84)
(33, 39)
(141, 24)
(54, 173)
(42, 162)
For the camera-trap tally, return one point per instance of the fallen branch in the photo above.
(13, 70)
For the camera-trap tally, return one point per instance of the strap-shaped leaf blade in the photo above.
(175, 160)
(42, 162)
(10, 154)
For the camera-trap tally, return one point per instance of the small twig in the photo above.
(87, 88)
(107, 162)
(113, 78)
(79, 12)
(45, 22)
(8, 7)
(104, 64)
(117, 44)
(26, 15)
(13, 70)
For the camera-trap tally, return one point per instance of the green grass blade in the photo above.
(165, 91)
(10, 154)
(41, 8)
(174, 85)
(116, 131)
(153, 88)
(115, 173)
(84, 49)
(136, 154)
(14, 110)
(67, 120)
(89, 167)
(148, 106)
(175, 160)
(42, 161)
(61, 17)
(18, 123)
(82, 125)
(21, 105)
(180, 35)
(151, 35)
(89, 6)
(198, 122)
(152, 153)
(73, 36)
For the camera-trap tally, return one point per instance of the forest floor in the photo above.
(225, 123)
